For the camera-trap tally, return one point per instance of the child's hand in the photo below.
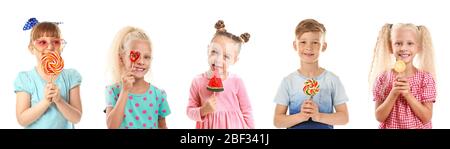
(401, 86)
(311, 109)
(127, 80)
(404, 86)
(314, 110)
(56, 96)
(209, 106)
(306, 108)
(49, 92)
(304, 116)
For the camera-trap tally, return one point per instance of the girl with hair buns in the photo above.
(403, 95)
(221, 107)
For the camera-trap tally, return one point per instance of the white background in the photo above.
(180, 31)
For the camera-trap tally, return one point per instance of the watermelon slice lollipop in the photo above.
(215, 83)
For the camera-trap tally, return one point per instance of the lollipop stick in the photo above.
(51, 79)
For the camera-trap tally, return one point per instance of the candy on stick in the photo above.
(311, 87)
(215, 83)
(52, 64)
(134, 56)
(400, 66)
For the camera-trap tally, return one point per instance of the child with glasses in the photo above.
(47, 100)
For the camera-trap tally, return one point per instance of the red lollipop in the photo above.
(215, 83)
(134, 56)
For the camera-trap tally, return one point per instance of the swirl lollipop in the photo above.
(134, 56)
(311, 87)
(52, 64)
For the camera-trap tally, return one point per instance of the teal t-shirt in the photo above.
(142, 110)
(33, 84)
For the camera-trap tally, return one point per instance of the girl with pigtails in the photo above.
(403, 85)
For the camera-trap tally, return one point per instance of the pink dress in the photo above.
(233, 109)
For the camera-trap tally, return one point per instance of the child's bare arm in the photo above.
(71, 111)
(384, 108)
(340, 117)
(423, 111)
(26, 114)
(281, 120)
(114, 116)
(162, 123)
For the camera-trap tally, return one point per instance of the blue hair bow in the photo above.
(30, 23)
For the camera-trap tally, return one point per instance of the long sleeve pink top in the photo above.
(233, 109)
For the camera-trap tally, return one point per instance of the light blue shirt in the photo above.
(33, 84)
(332, 93)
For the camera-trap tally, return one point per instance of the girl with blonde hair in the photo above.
(403, 96)
(133, 102)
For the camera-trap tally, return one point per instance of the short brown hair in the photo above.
(45, 29)
(309, 25)
(42, 29)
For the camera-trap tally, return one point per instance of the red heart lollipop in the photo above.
(134, 55)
